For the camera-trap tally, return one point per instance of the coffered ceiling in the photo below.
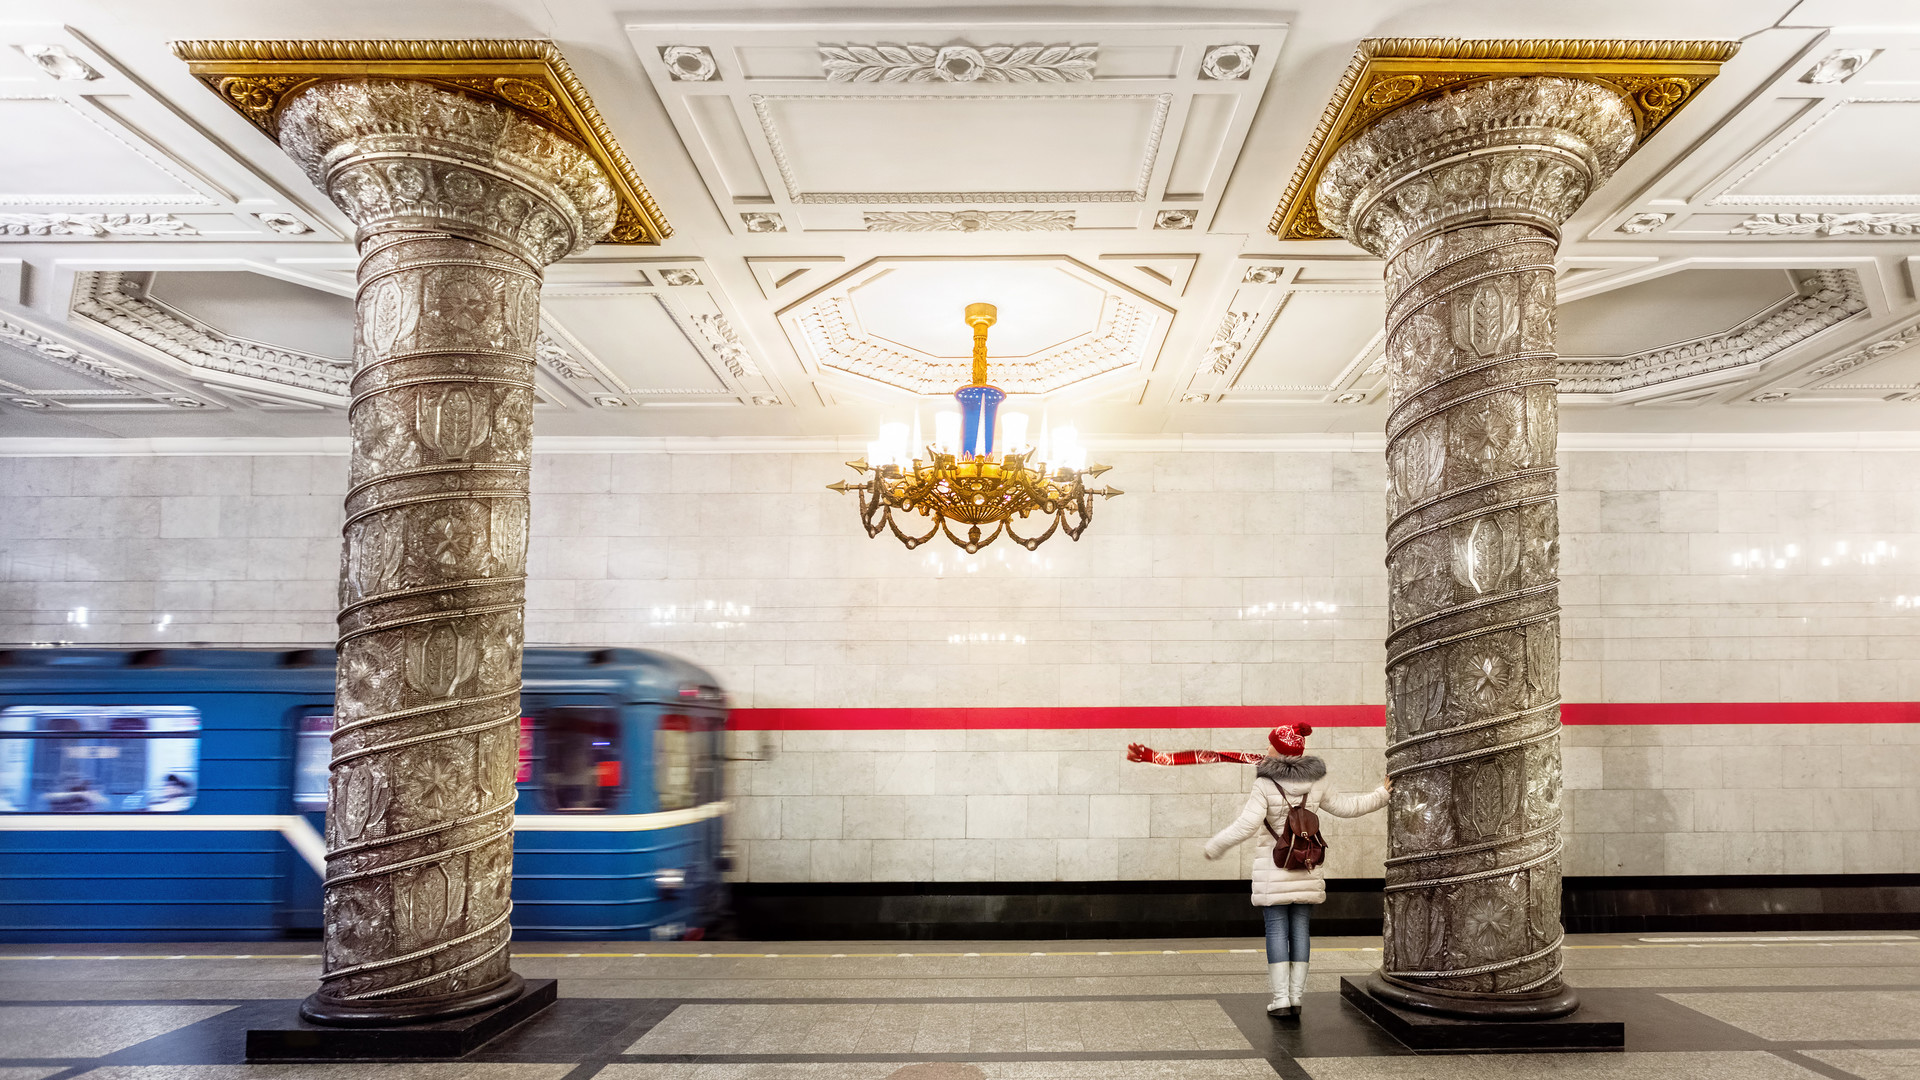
(844, 182)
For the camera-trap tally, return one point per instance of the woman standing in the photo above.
(1284, 780)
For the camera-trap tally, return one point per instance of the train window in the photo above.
(676, 750)
(312, 753)
(96, 759)
(579, 758)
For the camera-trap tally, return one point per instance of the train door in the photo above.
(312, 733)
(712, 897)
(576, 872)
(688, 777)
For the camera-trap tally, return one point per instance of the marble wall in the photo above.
(1219, 579)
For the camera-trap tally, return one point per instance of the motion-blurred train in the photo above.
(180, 794)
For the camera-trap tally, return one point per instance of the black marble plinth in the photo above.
(1429, 1034)
(437, 1040)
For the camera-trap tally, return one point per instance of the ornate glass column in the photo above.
(1458, 169)
(460, 203)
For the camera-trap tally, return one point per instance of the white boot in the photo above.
(1277, 975)
(1297, 985)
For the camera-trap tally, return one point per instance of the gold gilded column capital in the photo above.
(258, 78)
(1656, 78)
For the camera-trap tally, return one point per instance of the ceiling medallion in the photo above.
(1657, 78)
(257, 77)
(965, 480)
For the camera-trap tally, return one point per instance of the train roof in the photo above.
(634, 675)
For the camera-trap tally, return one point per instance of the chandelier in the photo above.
(964, 480)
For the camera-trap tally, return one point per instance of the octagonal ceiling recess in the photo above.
(918, 306)
(897, 321)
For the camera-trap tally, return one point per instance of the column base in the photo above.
(319, 1008)
(1428, 1031)
(437, 1037)
(1550, 1003)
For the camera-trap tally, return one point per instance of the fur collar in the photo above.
(1277, 769)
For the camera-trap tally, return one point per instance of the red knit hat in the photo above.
(1290, 740)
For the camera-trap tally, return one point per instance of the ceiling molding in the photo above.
(776, 144)
(94, 226)
(1825, 299)
(1894, 225)
(110, 384)
(118, 303)
(1155, 109)
(827, 330)
(959, 63)
(968, 220)
(85, 109)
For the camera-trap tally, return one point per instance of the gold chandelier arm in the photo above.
(875, 512)
(911, 541)
(1035, 542)
(1082, 510)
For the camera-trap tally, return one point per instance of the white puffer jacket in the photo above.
(1301, 778)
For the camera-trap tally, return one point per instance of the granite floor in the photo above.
(1761, 1006)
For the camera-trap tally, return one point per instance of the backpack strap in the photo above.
(1283, 799)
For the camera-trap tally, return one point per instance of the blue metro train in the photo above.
(180, 794)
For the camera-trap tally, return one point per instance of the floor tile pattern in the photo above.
(1778, 1007)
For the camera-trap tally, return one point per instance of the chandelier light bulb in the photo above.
(1067, 451)
(893, 444)
(946, 431)
(1014, 432)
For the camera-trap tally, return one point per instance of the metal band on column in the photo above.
(460, 203)
(1463, 195)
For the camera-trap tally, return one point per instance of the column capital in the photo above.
(1391, 76)
(1526, 149)
(398, 154)
(526, 85)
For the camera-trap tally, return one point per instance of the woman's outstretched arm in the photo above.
(1251, 815)
(1137, 752)
(1353, 803)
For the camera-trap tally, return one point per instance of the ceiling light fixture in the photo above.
(965, 480)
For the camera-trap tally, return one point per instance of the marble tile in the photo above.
(1840, 1014)
(959, 1028)
(1872, 1064)
(1723, 1065)
(413, 1071)
(69, 1031)
(1151, 609)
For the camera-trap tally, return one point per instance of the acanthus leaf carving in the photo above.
(1886, 346)
(958, 63)
(1228, 339)
(726, 344)
(94, 226)
(969, 220)
(1829, 225)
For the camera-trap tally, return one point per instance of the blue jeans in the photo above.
(1287, 934)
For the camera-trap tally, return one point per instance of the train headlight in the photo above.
(724, 862)
(669, 882)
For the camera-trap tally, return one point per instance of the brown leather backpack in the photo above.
(1300, 847)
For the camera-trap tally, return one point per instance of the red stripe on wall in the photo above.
(1259, 716)
(1744, 712)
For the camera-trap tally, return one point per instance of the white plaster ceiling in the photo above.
(164, 270)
